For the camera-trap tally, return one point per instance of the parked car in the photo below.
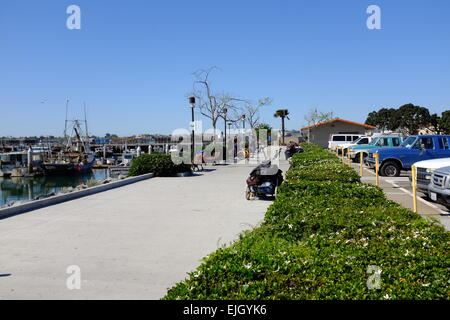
(413, 149)
(338, 139)
(425, 170)
(364, 140)
(378, 142)
(439, 188)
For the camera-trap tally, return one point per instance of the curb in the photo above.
(39, 204)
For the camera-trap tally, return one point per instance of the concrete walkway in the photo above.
(130, 243)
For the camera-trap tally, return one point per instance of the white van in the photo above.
(336, 140)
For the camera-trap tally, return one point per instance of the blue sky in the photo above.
(132, 61)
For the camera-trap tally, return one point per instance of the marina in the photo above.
(48, 154)
(37, 168)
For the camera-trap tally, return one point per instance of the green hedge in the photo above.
(318, 239)
(159, 164)
(324, 171)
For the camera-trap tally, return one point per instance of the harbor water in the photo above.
(20, 189)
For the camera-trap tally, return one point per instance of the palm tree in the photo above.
(282, 113)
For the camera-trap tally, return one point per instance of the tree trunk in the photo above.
(282, 130)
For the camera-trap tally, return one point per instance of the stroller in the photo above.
(264, 181)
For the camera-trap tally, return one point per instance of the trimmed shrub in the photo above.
(324, 171)
(159, 164)
(318, 240)
(310, 147)
(307, 159)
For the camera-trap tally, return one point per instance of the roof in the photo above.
(340, 120)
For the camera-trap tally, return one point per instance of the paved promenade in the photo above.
(130, 243)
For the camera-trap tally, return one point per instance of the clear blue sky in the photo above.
(132, 61)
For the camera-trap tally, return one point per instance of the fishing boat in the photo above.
(20, 163)
(69, 163)
(75, 157)
(11, 161)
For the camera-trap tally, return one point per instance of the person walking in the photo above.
(235, 149)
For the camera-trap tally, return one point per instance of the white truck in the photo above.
(439, 188)
(426, 168)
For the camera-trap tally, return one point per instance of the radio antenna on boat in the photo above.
(65, 127)
(85, 121)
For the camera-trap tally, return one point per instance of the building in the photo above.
(427, 131)
(294, 136)
(320, 133)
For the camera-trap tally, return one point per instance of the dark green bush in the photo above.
(324, 171)
(318, 239)
(159, 164)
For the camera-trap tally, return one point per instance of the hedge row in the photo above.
(160, 165)
(320, 238)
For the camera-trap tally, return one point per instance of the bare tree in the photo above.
(252, 111)
(315, 116)
(213, 105)
(206, 101)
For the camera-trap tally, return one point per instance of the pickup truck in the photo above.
(439, 187)
(361, 141)
(425, 170)
(356, 152)
(413, 149)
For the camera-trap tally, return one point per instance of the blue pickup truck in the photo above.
(412, 150)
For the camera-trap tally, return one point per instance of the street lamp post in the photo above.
(243, 122)
(225, 111)
(192, 103)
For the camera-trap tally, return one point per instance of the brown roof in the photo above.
(341, 120)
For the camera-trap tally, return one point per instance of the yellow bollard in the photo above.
(414, 187)
(361, 169)
(348, 156)
(377, 168)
